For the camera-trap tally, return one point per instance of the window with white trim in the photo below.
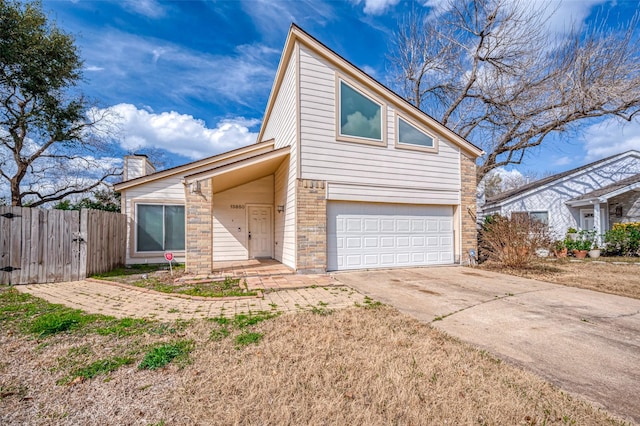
(408, 134)
(536, 216)
(359, 116)
(159, 227)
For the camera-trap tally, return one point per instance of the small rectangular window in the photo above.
(410, 135)
(359, 116)
(542, 217)
(159, 227)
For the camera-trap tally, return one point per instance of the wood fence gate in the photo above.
(45, 246)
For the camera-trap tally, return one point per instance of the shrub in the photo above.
(512, 242)
(623, 239)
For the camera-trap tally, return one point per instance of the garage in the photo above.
(378, 235)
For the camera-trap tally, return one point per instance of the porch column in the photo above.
(597, 220)
(199, 227)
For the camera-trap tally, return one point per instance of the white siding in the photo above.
(364, 193)
(230, 224)
(324, 158)
(166, 190)
(552, 197)
(283, 127)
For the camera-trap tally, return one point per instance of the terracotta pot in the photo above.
(560, 254)
(580, 254)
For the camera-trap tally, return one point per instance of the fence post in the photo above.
(83, 242)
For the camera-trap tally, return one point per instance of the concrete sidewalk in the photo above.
(124, 301)
(585, 342)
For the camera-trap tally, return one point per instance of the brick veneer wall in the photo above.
(199, 229)
(311, 226)
(468, 206)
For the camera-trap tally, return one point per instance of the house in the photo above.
(591, 197)
(345, 174)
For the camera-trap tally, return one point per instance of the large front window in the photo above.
(159, 227)
(360, 117)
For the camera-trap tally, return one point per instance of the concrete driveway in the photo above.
(585, 342)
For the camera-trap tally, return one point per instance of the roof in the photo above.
(186, 168)
(297, 34)
(613, 188)
(541, 182)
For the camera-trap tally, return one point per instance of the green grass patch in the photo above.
(219, 333)
(241, 321)
(248, 338)
(124, 327)
(162, 355)
(138, 269)
(60, 320)
(101, 366)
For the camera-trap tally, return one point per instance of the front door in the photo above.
(586, 220)
(260, 234)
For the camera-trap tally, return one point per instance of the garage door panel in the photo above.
(367, 235)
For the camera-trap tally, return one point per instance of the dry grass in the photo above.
(355, 366)
(605, 277)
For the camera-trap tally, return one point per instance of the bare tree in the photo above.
(51, 143)
(492, 71)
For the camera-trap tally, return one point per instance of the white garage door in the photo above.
(368, 235)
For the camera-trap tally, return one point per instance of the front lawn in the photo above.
(362, 365)
(601, 275)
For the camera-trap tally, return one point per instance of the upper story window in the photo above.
(410, 136)
(359, 116)
(159, 227)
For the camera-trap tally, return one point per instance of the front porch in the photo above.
(269, 275)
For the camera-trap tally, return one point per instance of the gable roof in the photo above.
(625, 185)
(559, 176)
(298, 35)
(213, 161)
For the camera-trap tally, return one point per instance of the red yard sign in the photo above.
(169, 256)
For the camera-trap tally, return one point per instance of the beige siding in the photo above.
(283, 128)
(230, 224)
(367, 193)
(133, 167)
(166, 190)
(322, 157)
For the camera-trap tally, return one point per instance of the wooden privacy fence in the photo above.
(45, 246)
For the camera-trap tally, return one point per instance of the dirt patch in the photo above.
(361, 365)
(607, 277)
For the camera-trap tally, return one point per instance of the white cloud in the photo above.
(370, 70)
(137, 66)
(180, 133)
(562, 161)
(376, 7)
(148, 8)
(93, 68)
(272, 18)
(611, 137)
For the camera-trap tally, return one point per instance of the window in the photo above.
(359, 116)
(410, 135)
(159, 227)
(542, 217)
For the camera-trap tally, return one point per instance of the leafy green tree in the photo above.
(107, 200)
(50, 138)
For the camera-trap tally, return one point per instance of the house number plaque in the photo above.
(237, 206)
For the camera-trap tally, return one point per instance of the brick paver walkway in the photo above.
(119, 301)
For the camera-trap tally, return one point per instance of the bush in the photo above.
(512, 242)
(623, 239)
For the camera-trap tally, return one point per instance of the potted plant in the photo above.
(594, 253)
(572, 233)
(582, 245)
(560, 249)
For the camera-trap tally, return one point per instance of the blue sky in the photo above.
(191, 78)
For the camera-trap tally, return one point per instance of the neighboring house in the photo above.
(591, 197)
(345, 174)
